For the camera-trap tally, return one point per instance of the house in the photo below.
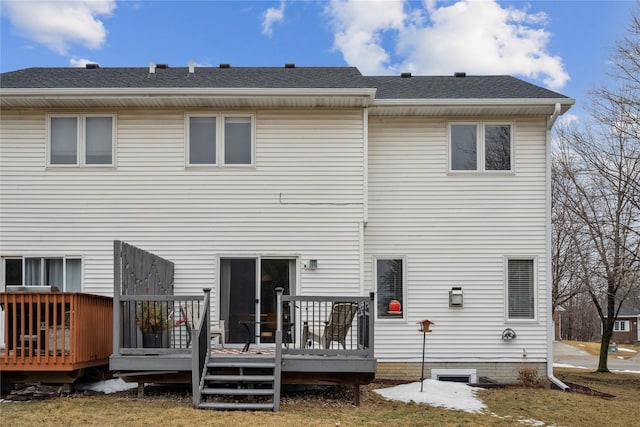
(625, 329)
(431, 192)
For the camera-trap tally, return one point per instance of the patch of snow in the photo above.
(445, 394)
(531, 422)
(108, 386)
(628, 350)
(625, 371)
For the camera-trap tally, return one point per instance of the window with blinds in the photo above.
(520, 289)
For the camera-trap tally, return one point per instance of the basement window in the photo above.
(467, 376)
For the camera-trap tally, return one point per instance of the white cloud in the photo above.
(568, 119)
(60, 24)
(358, 28)
(80, 62)
(271, 16)
(479, 37)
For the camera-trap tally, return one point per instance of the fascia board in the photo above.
(566, 103)
(60, 93)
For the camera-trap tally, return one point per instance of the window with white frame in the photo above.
(236, 131)
(202, 140)
(621, 326)
(480, 147)
(81, 140)
(64, 273)
(520, 289)
(390, 287)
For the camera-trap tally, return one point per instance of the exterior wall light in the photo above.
(456, 298)
(312, 264)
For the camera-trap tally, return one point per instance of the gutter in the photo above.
(554, 116)
(550, 329)
(177, 91)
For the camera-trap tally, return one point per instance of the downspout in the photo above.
(365, 191)
(550, 122)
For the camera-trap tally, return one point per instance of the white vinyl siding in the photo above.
(455, 231)
(303, 198)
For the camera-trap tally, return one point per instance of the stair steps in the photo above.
(240, 385)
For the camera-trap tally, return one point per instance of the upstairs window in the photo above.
(64, 273)
(520, 289)
(64, 141)
(480, 147)
(81, 140)
(238, 145)
(202, 140)
(203, 131)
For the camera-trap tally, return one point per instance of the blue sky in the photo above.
(562, 45)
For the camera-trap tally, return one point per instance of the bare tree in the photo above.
(597, 171)
(566, 279)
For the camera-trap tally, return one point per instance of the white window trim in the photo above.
(78, 137)
(398, 319)
(454, 372)
(626, 324)
(223, 142)
(480, 147)
(113, 140)
(64, 259)
(220, 141)
(80, 140)
(187, 140)
(506, 288)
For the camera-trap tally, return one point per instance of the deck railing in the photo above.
(306, 325)
(327, 325)
(157, 324)
(55, 331)
(201, 348)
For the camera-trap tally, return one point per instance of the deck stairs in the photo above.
(241, 383)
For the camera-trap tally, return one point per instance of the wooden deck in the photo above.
(48, 332)
(300, 363)
(297, 358)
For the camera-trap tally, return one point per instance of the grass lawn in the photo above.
(505, 407)
(593, 348)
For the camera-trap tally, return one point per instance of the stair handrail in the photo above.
(277, 370)
(201, 349)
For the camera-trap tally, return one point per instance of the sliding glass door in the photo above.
(248, 297)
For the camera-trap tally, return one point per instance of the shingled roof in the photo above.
(387, 87)
(452, 87)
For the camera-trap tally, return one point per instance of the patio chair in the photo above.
(335, 328)
(189, 318)
(218, 331)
